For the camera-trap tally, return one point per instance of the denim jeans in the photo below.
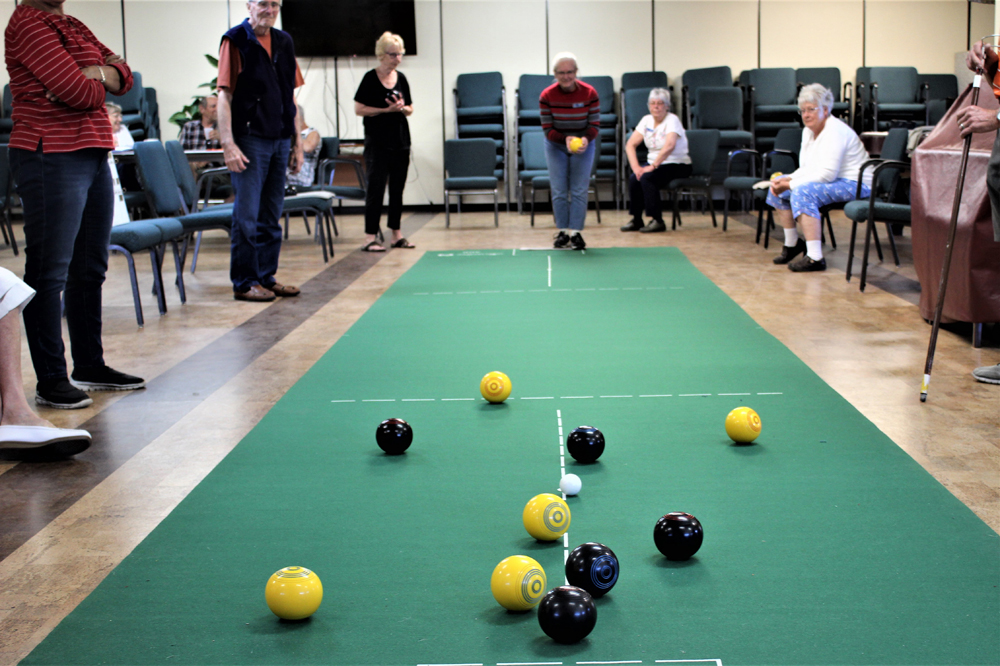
(260, 193)
(68, 209)
(570, 178)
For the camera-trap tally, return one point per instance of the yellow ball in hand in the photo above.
(575, 144)
(495, 386)
(293, 593)
(743, 425)
(518, 583)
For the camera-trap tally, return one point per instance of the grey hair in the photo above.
(564, 55)
(661, 94)
(817, 94)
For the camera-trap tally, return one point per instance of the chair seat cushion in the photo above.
(609, 119)
(775, 109)
(471, 183)
(884, 212)
(208, 219)
(528, 174)
(522, 129)
(734, 138)
(170, 227)
(134, 199)
(530, 114)
(318, 200)
(541, 183)
(740, 182)
(480, 111)
(773, 126)
(339, 191)
(135, 236)
(901, 108)
(470, 129)
(693, 181)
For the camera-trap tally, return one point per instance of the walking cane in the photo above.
(942, 288)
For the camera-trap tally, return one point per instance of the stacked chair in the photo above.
(607, 158)
(771, 98)
(481, 112)
(468, 164)
(151, 235)
(632, 100)
(693, 79)
(528, 119)
(722, 109)
(843, 103)
(941, 91)
(894, 94)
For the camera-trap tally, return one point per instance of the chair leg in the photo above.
(285, 215)
(194, 257)
(496, 209)
(760, 224)
(711, 207)
(333, 221)
(878, 245)
(532, 206)
(305, 218)
(447, 209)
(329, 234)
(850, 254)
(977, 334)
(676, 217)
(768, 227)
(869, 226)
(161, 299)
(322, 236)
(179, 267)
(135, 284)
(725, 211)
(892, 242)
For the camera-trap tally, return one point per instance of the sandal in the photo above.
(402, 242)
(373, 247)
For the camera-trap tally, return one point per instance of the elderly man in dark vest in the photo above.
(258, 76)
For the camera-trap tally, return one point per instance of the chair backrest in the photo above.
(158, 178)
(940, 86)
(893, 148)
(773, 86)
(703, 144)
(469, 158)
(790, 139)
(825, 76)
(530, 87)
(482, 89)
(863, 80)
(597, 155)
(182, 172)
(533, 151)
(896, 85)
(134, 100)
(329, 147)
(635, 105)
(719, 108)
(605, 87)
(632, 80)
(715, 77)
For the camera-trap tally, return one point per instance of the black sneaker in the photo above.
(103, 378)
(561, 240)
(60, 394)
(654, 226)
(578, 242)
(634, 225)
(789, 253)
(806, 264)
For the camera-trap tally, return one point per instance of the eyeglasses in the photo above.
(263, 4)
(394, 55)
(808, 109)
(565, 72)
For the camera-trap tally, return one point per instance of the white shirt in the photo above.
(654, 136)
(123, 139)
(836, 153)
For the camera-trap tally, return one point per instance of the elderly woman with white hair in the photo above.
(668, 159)
(829, 161)
(571, 116)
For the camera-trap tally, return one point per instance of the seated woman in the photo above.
(668, 159)
(829, 161)
(311, 146)
(119, 132)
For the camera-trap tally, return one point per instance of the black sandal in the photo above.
(373, 247)
(403, 243)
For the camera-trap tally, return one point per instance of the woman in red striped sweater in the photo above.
(571, 114)
(59, 74)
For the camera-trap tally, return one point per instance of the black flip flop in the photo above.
(403, 243)
(371, 247)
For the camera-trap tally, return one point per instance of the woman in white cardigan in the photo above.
(829, 162)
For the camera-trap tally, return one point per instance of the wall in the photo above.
(167, 40)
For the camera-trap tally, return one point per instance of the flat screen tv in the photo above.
(327, 28)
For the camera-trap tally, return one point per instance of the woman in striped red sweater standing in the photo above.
(59, 74)
(570, 119)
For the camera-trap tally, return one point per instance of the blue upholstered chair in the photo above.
(469, 164)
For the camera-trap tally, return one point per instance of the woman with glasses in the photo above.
(829, 161)
(383, 100)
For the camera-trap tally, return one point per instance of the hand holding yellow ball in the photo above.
(575, 144)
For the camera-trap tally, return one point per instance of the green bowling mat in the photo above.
(824, 542)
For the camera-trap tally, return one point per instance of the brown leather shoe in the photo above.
(283, 289)
(256, 293)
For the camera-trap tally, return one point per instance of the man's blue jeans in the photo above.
(68, 205)
(570, 179)
(260, 193)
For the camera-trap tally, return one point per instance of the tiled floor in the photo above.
(215, 367)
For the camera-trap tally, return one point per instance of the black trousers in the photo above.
(384, 166)
(645, 193)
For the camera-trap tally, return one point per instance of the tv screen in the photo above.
(327, 28)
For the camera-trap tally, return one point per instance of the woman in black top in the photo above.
(383, 100)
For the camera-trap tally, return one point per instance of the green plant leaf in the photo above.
(212, 60)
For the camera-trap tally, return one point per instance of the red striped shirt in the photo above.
(577, 113)
(46, 51)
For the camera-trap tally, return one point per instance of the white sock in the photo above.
(814, 249)
(791, 237)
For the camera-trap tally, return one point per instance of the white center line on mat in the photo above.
(717, 662)
(443, 293)
(544, 397)
(534, 291)
(562, 290)
(586, 289)
(469, 664)
(609, 662)
(381, 400)
(421, 293)
(418, 399)
(465, 292)
(631, 288)
(734, 394)
(550, 269)
(575, 397)
(693, 395)
(770, 394)
(608, 289)
(513, 291)
(456, 399)
(617, 396)
(562, 473)
(657, 395)
(342, 401)
(651, 289)
(494, 291)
